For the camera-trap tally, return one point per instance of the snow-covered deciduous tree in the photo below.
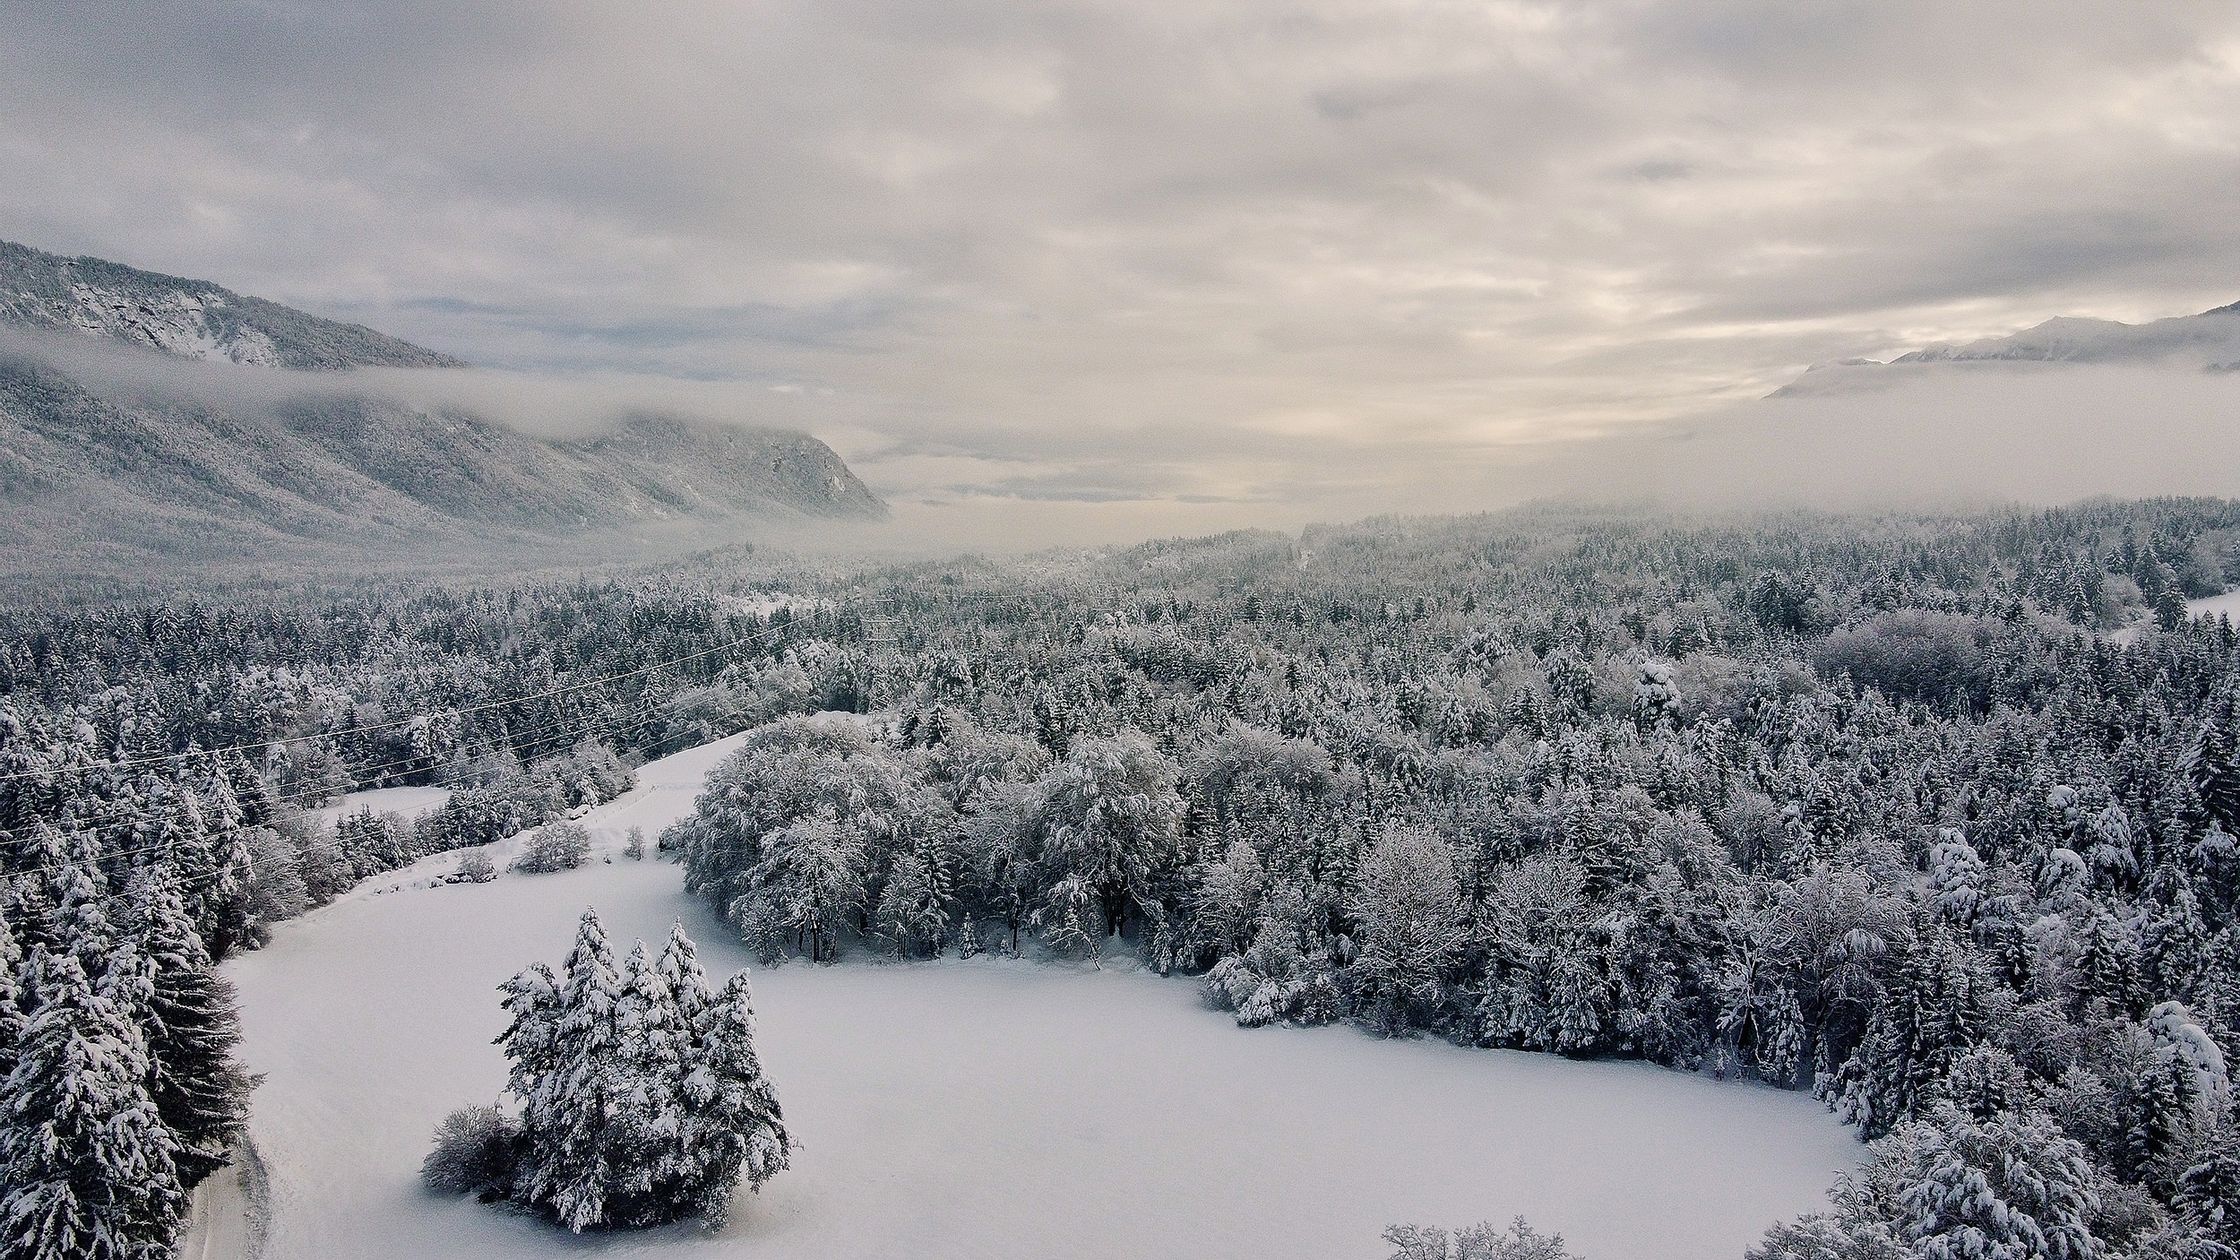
(1484, 1241)
(1277, 978)
(1110, 817)
(1408, 911)
(560, 846)
(806, 890)
(476, 1152)
(1227, 902)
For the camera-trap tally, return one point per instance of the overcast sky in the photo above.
(1200, 262)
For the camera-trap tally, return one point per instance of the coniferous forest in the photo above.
(1931, 815)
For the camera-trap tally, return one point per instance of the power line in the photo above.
(139, 850)
(21, 836)
(159, 758)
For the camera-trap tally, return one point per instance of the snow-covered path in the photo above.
(985, 1109)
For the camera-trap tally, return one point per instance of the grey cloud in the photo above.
(1294, 258)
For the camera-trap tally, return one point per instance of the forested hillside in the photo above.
(1876, 807)
(277, 451)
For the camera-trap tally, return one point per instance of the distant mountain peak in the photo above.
(190, 319)
(2208, 342)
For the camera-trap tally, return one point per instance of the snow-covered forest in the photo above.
(1883, 808)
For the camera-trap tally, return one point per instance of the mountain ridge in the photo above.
(94, 472)
(193, 319)
(2208, 341)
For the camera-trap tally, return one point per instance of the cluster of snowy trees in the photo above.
(1484, 1241)
(1839, 805)
(555, 847)
(1867, 806)
(641, 1097)
(119, 1091)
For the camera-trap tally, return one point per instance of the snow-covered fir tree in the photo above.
(191, 1029)
(86, 1162)
(643, 1099)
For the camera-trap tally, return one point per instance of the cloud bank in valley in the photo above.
(1929, 435)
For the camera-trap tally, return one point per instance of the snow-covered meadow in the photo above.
(983, 1108)
(2226, 605)
(411, 802)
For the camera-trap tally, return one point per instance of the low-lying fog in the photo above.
(1933, 434)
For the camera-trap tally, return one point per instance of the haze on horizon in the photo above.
(1078, 269)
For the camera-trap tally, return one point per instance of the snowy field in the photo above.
(408, 801)
(984, 1108)
(2225, 605)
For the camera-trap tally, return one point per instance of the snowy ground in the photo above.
(2225, 605)
(409, 801)
(984, 1108)
(221, 1228)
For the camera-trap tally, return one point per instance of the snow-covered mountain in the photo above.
(98, 474)
(2207, 342)
(193, 319)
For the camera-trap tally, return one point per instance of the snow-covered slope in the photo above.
(193, 319)
(983, 1108)
(107, 463)
(411, 802)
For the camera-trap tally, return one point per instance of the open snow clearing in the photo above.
(981, 1108)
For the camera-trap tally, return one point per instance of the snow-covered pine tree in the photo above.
(14, 1004)
(191, 1028)
(2213, 764)
(2107, 966)
(76, 898)
(642, 1146)
(568, 1105)
(2161, 1121)
(531, 1041)
(1956, 876)
(913, 910)
(688, 983)
(86, 1168)
(734, 1128)
(2208, 1193)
